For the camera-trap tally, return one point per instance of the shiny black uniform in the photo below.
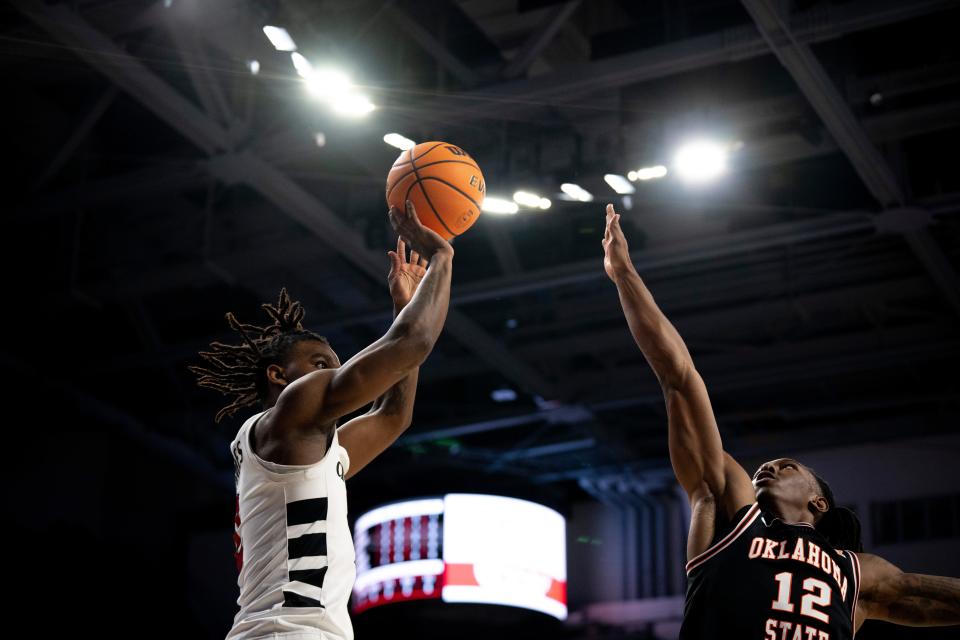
(765, 579)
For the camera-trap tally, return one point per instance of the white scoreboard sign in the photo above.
(463, 548)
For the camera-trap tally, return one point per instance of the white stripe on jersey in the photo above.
(309, 562)
(297, 530)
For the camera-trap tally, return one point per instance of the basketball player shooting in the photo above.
(772, 558)
(294, 550)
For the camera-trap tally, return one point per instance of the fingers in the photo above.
(396, 218)
(414, 257)
(424, 262)
(613, 219)
(411, 212)
(394, 260)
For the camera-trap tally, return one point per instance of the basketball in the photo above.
(444, 184)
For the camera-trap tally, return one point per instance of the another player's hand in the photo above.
(420, 238)
(616, 253)
(405, 274)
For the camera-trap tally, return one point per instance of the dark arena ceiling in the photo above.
(156, 183)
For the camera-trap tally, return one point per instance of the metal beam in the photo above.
(937, 265)
(771, 236)
(783, 149)
(850, 136)
(431, 45)
(539, 39)
(197, 65)
(697, 324)
(826, 22)
(140, 183)
(128, 73)
(291, 198)
(302, 251)
(79, 135)
(823, 96)
(816, 359)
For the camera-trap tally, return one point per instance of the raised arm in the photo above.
(316, 400)
(912, 599)
(367, 436)
(708, 475)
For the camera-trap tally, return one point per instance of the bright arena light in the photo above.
(399, 141)
(650, 173)
(499, 205)
(302, 65)
(700, 161)
(279, 38)
(576, 192)
(352, 104)
(328, 83)
(254, 66)
(618, 183)
(527, 199)
(545, 203)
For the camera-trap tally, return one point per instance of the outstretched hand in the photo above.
(405, 274)
(616, 253)
(424, 240)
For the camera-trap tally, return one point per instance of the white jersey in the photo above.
(293, 545)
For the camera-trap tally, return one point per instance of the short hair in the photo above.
(239, 370)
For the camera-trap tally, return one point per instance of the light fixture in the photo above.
(352, 104)
(527, 199)
(700, 161)
(279, 38)
(302, 65)
(399, 141)
(499, 205)
(618, 183)
(328, 83)
(650, 173)
(576, 192)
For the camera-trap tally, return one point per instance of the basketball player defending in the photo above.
(773, 558)
(293, 544)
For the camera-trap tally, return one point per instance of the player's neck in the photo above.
(789, 513)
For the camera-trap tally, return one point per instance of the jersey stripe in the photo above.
(306, 511)
(310, 576)
(855, 561)
(748, 518)
(309, 544)
(291, 599)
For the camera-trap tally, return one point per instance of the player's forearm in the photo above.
(659, 341)
(924, 601)
(422, 319)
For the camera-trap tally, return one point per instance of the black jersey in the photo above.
(770, 580)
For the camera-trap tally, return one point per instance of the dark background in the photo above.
(155, 183)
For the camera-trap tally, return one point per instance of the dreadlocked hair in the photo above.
(239, 370)
(839, 525)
